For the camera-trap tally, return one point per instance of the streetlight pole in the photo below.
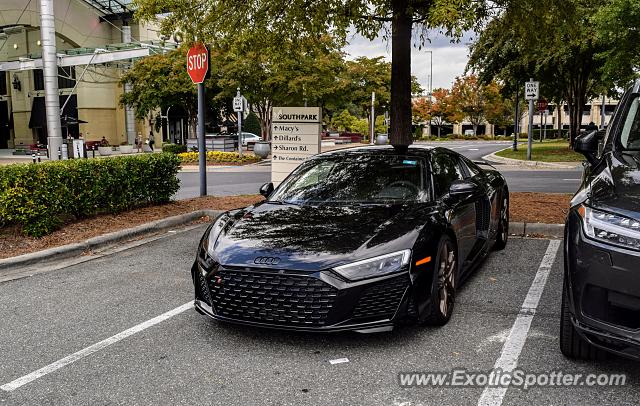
(50, 74)
(516, 121)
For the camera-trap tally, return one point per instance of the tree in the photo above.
(616, 24)
(161, 81)
(256, 65)
(295, 19)
(343, 121)
(252, 124)
(436, 109)
(470, 100)
(550, 40)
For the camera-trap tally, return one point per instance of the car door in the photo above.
(461, 211)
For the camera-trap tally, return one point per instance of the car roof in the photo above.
(414, 149)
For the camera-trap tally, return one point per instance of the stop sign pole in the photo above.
(198, 68)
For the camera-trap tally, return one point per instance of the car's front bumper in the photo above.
(319, 301)
(604, 289)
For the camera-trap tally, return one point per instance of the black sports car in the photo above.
(601, 295)
(358, 239)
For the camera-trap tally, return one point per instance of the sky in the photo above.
(449, 60)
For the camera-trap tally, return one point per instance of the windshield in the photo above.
(630, 136)
(356, 179)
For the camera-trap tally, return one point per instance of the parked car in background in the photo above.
(601, 293)
(358, 239)
(249, 137)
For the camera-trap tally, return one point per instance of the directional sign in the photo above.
(295, 137)
(198, 63)
(531, 90)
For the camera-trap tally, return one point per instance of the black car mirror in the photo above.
(587, 144)
(460, 188)
(266, 189)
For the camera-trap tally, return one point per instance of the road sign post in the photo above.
(238, 107)
(198, 69)
(531, 93)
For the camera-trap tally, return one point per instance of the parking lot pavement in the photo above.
(52, 322)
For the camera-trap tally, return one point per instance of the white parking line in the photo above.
(493, 396)
(85, 352)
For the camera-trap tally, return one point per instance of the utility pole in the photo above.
(50, 74)
(372, 125)
(516, 121)
(530, 135)
(602, 111)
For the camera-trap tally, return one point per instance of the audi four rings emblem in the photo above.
(266, 261)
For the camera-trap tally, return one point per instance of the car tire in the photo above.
(503, 227)
(572, 345)
(443, 286)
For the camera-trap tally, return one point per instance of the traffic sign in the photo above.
(238, 104)
(198, 63)
(531, 90)
(542, 105)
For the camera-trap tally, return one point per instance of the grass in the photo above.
(548, 151)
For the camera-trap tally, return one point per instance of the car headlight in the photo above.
(610, 228)
(373, 267)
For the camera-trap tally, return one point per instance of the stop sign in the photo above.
(542, 105)
(198, 63)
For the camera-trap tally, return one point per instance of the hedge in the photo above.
(174, 148)
(218, 157)
(41, 197)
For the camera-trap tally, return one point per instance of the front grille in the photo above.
(381, 299)
(272, 298)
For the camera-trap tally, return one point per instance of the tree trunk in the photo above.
(401, 74)
(559, 107)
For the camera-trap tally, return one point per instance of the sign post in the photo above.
(541, 106)
(238, 107)
(295, 137)
(531, 93)
(198, 68)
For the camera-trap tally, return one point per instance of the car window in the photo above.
(472, 169)
(630, 135)
(357, 178)
(445, 170)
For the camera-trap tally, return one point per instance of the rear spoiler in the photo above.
(484, 163)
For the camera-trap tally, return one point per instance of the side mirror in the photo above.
(266, 189)
(587, 144)
(461, 188)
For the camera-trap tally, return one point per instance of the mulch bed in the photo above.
(525, 207)
(529, 207)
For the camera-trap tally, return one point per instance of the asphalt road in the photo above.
(247, 180)
(92, 333)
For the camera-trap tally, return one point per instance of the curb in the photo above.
(66, 251)
(546, 230)
(518, 162)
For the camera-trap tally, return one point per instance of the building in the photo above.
(96, 40)
(551, 119)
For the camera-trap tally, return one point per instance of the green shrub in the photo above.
(174, 148)
(41, 197)
(250, 125)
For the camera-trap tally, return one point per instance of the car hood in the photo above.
(617, 187)
(314, 238)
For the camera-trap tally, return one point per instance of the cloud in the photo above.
(449, 59)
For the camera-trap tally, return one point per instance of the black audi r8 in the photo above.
(359, 239)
